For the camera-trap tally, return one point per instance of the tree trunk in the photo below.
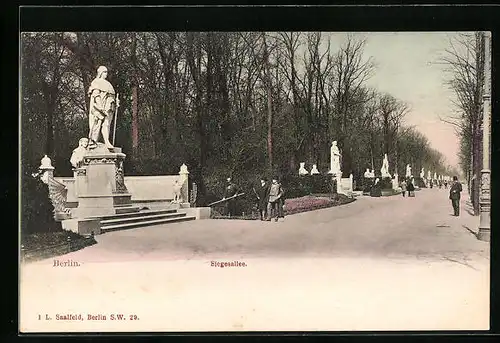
(135, 128)
(269, 108)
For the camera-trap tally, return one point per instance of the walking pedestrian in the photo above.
(230, 191)
(281, 204)
(455, 190)
(403, 187)
(263, 196)
(411, 188)
(275, 194)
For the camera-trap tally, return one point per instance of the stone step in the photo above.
(124, 226)
(132, 219)
(126, 209)
(134, 214)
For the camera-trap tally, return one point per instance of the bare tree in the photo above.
(464, 60)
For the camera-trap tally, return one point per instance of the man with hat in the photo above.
(455, 190)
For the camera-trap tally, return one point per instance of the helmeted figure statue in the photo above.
(101, 108)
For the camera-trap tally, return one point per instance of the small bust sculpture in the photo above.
(314, 170)
(302, 169)
(46, 163)
(184, 169)
(78, 153)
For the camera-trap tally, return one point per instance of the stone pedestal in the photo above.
(100, 185)
(338, 177)
(395, 182)
(83, 226)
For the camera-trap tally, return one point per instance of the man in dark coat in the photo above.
(281, 203)
(455, 190)
(230, 191)
(263, 197)
(275, 193)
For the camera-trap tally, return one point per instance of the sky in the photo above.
(407, 69)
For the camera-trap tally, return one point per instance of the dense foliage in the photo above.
(240, 104)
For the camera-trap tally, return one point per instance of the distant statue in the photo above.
(101, 109)
(408, 170)
(302, 169)
(367, 173)
(314, 170)
(177, 192)
(384, 171)
(334, 159)
(372, 173)
(422, 173)
(78, 153)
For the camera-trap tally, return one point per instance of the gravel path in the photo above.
(388, 263)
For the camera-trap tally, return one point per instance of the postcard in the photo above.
(242, 181)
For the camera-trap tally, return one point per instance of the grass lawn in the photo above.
(49, 244)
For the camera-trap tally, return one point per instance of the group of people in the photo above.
(271, 200)
(455, 189)
(407, 187)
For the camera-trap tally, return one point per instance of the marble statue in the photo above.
(367, 173)
(177, 191)
(422, 173)
(384, 171)
(302, 169)
(314, 170)
(78, 153)
(408, 170)
(372, 173)
(102, 107)
(334, 159)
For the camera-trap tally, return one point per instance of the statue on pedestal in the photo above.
(102, 107)
(314, 170)
(302, 169)
(334, 159)
(384, 171)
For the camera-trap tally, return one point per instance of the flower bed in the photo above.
(296, 205)
(310, 203)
